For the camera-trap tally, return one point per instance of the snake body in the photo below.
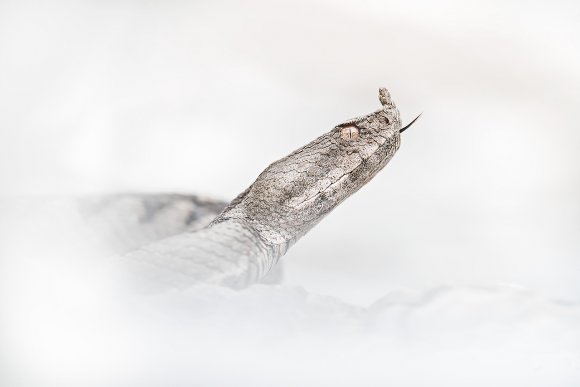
(287, 199)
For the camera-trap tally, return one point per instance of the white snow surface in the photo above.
(68, 319)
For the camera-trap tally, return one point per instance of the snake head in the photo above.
(297, 191)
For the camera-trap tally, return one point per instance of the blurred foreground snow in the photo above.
(67, 321)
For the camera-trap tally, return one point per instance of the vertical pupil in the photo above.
(349, 133)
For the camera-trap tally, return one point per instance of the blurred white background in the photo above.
(200, 96)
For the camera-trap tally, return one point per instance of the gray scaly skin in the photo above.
(287, 199)
(123, 222)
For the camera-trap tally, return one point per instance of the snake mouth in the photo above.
(409, 125)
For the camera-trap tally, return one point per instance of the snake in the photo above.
(240, 242)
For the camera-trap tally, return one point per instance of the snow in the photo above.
(68, 320)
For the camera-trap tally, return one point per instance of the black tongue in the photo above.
(411, 123)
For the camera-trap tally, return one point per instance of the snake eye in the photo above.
(349, 133)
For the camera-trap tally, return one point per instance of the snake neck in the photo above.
(227, 253)
(271, 245)
(236, 244)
